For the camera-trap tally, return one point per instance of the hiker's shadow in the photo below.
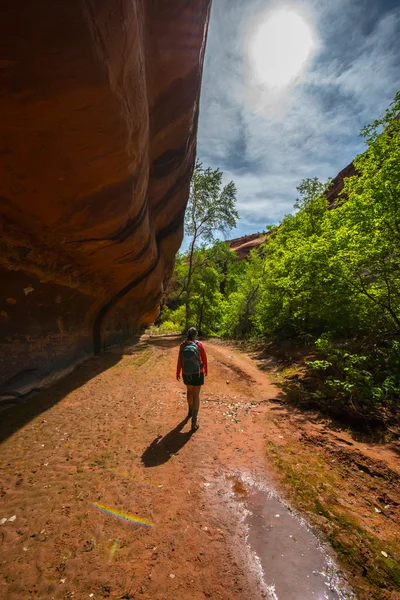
(162, 448)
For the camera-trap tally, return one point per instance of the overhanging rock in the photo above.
(99, 105)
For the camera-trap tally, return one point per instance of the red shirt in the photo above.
(203, 358)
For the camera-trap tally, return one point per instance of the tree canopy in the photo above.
(211, 208)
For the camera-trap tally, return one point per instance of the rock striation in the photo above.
(243, 245)
(99, 107)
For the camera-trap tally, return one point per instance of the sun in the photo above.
(281, 45)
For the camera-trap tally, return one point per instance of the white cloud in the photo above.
(376, 68)
(267, 142)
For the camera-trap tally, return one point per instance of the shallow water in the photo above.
(295, 566)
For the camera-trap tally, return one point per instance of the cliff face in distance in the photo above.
(337, 183)
(99, 103)
(243, 245)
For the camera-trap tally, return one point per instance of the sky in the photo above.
(266, 135)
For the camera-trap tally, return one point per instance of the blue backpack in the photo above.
(191, 362)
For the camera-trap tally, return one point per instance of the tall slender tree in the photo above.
(211, 209)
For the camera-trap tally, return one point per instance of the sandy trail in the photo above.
(112, 434)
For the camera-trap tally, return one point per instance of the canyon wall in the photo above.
(99, 106)
(242, 246)
(337, 184)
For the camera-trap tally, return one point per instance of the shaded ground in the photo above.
(112, 433)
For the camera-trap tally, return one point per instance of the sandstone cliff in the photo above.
(243, 245)
(99, 105)
(337, 183)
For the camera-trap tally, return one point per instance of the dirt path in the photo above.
(111, 434)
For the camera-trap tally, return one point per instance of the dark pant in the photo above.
(195, 379)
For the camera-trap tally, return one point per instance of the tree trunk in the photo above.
(200, 317)
(187, 300)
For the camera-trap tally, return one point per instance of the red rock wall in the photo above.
(242, 246)
(337, 184)
(99, 105)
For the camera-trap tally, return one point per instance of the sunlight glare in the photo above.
(280, 47)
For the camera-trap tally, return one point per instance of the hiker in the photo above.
(192, 361)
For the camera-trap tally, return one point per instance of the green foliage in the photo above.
(169, 327)
(214, 279)
(336, 270)
(240, 311)
(364, 384)
(319, 365)
(211, 208)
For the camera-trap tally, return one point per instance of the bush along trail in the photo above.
(105, 492)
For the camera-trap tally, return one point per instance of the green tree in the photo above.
(211, 208)
(366, 225)
(215, 276)
(332, 273)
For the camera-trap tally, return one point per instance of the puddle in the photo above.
(239, 488)
(293, 563)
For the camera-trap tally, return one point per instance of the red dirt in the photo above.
(108, 434)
